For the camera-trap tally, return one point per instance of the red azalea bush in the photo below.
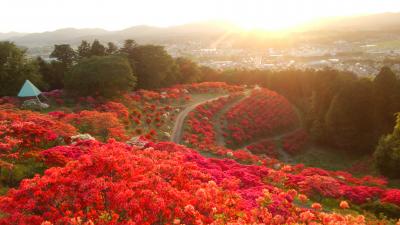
(208, 87)
(149, 118)
(361, 194)
(23, 132)
(264, 147)
(162, 183)
(261, 114)
(118, 184)
(392, 196)
(103, 125)
(295, 142)
(200, 132)
(120, 110)
(61, 155)
(165, 95)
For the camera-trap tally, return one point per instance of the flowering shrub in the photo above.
(207, 87)
(61, 155)
(200, 132)
(264, 147)
(117, 108)
(24, 132)
(159, 183)
(361, 194)
(102, 125)
(295, 142)
(146, 182)
(392, 196)
(259, 115)
(118, 184)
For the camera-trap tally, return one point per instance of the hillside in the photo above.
(111, 162)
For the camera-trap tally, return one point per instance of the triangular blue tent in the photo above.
(29, 90)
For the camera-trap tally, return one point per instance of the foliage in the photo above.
(383, 209)
(261, 114)
(144, 181)
(350, 117)
(387, 153)
(189, 71)
(83, 50)
(114, 183)
(103, 125)
(295, 141)
(15, 68)
(97, 49)
(153, 65)
(106, 76)
(120, 185)
(338, 108)
(64, 54)
(22, 135)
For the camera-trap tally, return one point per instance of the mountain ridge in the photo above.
(200, 31)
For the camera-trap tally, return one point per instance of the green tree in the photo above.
(106, 76)
(387, 153)
(349, 121)
(189, 71)
(64, 54)
(52, 73)
(129, 46)
(153, 65)
(387, 99)
(84, 50)
(15, 68)
(111, 48)
(97, 49)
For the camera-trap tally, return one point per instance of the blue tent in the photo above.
(29, 90)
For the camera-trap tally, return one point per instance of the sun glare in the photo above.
(275, 15)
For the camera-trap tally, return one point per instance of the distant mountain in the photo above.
(142, 33)
(10, 35)
(373, 22)
(55, 37)
(218, 33)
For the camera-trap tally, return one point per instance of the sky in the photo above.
(48, 15)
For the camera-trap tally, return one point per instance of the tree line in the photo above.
(143, 66)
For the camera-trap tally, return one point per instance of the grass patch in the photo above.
(330, 159)
(3, 190)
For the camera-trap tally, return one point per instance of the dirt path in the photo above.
(284, 156)
(177, 131)
(277, 138)
(220, 139)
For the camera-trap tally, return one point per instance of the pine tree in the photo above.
(84, 50)
(97, 49)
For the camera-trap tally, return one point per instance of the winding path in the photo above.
(284, 156)
(177, 131)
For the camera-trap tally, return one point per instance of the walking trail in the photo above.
(177, 131)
